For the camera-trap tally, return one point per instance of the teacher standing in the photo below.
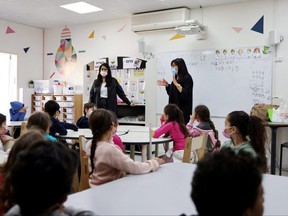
(105, 89)
(180, 91)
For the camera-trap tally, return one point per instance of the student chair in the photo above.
(84, 175)
(283, 145)
(197, 144)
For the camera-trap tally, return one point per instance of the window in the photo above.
(8, 82)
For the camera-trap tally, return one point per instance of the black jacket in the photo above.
(114, 89)
(184, 99)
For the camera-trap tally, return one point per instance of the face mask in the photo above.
(226, 134)
(103, 73)
(174, 71)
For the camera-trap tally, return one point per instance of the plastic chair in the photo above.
(283, 145)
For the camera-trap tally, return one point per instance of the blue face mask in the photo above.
(174, 71)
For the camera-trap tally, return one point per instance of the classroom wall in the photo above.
(109, 41)
(30, 64)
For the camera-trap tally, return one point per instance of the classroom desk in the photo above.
(12, 125)
(274, 127)
(164, 192)
(133, 138)
(130, 135)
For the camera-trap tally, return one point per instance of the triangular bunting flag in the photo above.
(177, 36)
(26, 49)
(259, 26)
(237, 29)
(121, 29)
(104, 37)
(9, 30)
(91, 35)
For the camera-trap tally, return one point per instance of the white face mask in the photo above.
(104, 73)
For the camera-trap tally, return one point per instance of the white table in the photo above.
(130, 135)
(165, 192)
(12, 125)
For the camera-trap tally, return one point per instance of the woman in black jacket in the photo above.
(180, 91)
(105, 89)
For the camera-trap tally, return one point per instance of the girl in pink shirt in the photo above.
(172, 124)
(203, 126)
(107, 160)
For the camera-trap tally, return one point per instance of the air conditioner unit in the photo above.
(159, 20)
(191, 27)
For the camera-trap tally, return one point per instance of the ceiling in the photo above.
(48, 14)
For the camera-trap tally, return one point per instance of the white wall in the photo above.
(219, 20)
(30, 64)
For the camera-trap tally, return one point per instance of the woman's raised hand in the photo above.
(162, 82)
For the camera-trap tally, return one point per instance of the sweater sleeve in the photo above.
(121, 94)
(193, 131)
(121, 161)
(162, 130)
(187, 85)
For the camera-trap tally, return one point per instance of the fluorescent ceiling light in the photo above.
(81, 7)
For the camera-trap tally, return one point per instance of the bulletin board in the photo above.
(224, 79)
(129, 72)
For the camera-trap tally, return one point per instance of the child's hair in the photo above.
(100, 122)
(203, 113)
(2, 119)
(22, 143)
(51, 107)
(114, 118)
(253, 127)
(44, 171)
(88, 106)
(236, 176)
(175, 114)
(39, 121)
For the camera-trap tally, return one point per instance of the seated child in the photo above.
(82, 122)
(204, 126)
(53, 109)
(6, 142)
(172, 124)
(40, 121)
(107, 161)
(17, 111)
(45, 171)
(115, 138)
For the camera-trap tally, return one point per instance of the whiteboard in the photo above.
(224, 80)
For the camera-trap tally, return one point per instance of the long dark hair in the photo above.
(175, 114)
(108, 79)
(2, 119)
(253, 127)
(203, 114)
(182, 68)
(100, 122)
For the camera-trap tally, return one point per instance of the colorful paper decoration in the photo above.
(91, 35)
(177, 36)
(66, 56)
(9, 30)
(237, 29)
(259, 26)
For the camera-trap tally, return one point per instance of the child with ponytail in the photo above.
(107, 160)
(172, 124)
(247, 133)
(204, 126)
